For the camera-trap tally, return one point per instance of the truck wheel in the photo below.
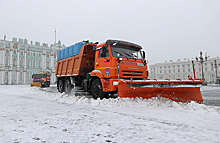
(96, 89)
(68, 87)
(60, 86)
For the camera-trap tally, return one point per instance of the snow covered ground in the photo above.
(28, 114)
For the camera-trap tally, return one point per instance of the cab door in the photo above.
(103, 61)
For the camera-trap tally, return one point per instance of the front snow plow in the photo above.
(36, 84)
(176, 90)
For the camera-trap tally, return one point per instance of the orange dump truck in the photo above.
(41, 79)
(117, 67)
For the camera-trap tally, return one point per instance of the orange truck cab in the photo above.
(98, 68)
(41, 79)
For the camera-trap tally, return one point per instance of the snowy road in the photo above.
(33, 115)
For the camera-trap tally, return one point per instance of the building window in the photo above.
(183, 65)
(199, 69)
(34, 63)
(39, 55)
(33, 54)
(169, 71)
(168, 66)
(55, 63)
(6, 61)
(14, 52)
(212, 68)
(47, 64)
(48, 55)
(164, 71)
(13, 77)
(173, 66)
(22, 53)
(178, 66)
(55, 56)
(164, 66)
(39, 63)
(20, 77)
(28, 63)
(178, 70)
(21, 62)
(7, 51)
(173, 71)
(28, 54)
(6, 77)
(205, 69)
(160, 71)
(14, 62)
(28, 77)
(188, 70)
(183, 70)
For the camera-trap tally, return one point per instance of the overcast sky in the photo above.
(166, 29)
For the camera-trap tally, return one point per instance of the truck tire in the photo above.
(60, 86)
(96, 89)
(68, 86)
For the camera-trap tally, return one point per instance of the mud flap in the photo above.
(178, 90)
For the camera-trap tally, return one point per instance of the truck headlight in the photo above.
(115, 82)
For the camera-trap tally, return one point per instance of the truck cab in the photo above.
(41, 79)
(116, 60)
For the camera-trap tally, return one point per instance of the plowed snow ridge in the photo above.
(157, 102)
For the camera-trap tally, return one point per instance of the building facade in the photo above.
(181, 69)
(19, 60)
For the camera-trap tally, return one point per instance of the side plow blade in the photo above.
(176, 90)
(36, 84)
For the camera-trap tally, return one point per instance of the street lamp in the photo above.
(216, 71)
(202, 60)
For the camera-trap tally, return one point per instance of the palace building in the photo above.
(180, 69)
(19, 60)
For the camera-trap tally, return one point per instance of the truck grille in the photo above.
(38, 80)
(132, 73)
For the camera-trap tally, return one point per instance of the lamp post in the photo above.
(216, 71)
(202, 60)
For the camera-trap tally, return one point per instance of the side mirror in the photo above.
(143, 53)
(93, 47)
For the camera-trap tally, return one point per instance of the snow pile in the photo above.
(155, 102)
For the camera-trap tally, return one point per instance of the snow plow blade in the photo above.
(36, 84)
(176, 90)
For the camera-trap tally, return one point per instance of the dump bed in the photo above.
(77, 64)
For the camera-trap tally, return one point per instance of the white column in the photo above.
(10, 60)
(18, 58)
(1, 64)
(1, 56)
(18, 65)
(52, 61)
(52, 66)
(24, 75)
(10, 67)
(25, 66)
(17, 77)
(43, 61)
(3, 74)
(25, 58)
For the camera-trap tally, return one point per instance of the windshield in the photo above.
(38, 76)
(126, 52)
